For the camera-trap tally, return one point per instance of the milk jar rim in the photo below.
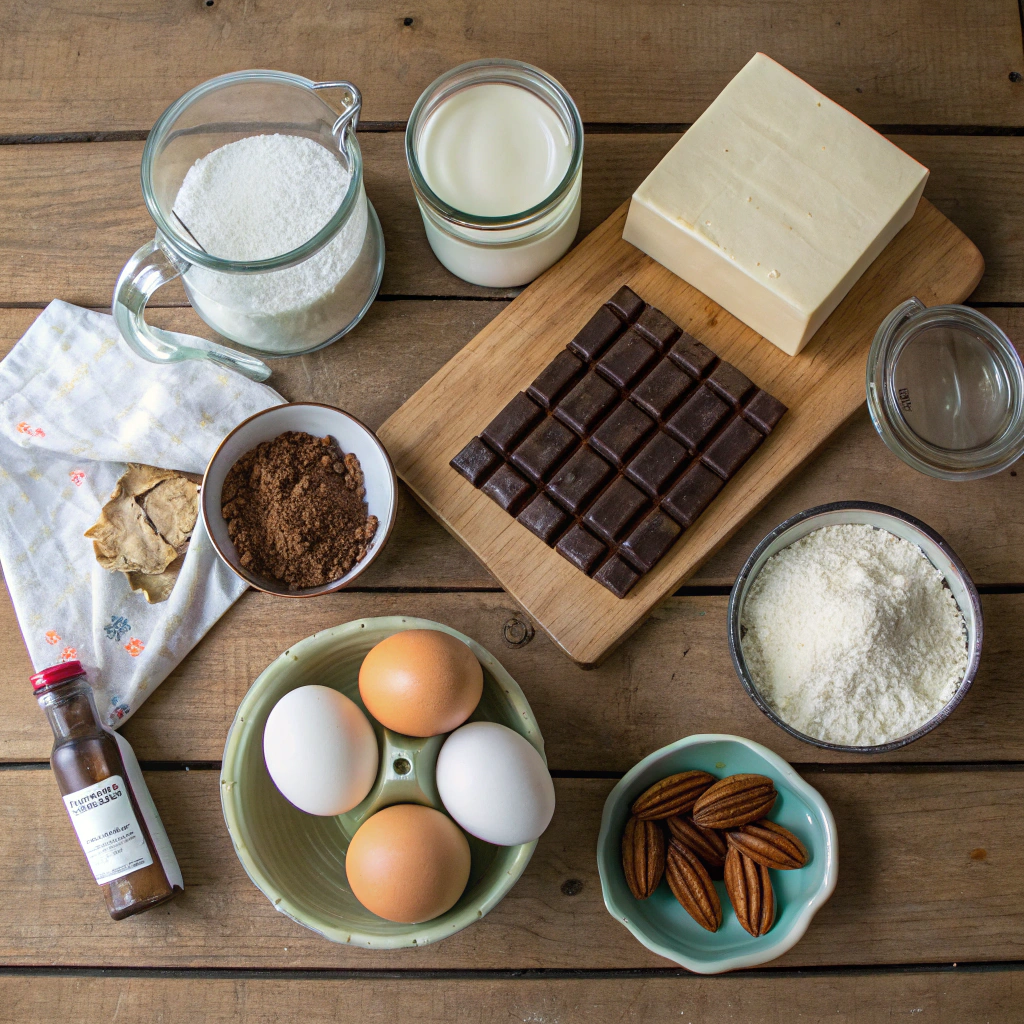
(162, 133)
(493, 70)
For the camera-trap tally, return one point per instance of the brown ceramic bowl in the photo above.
(320, 421)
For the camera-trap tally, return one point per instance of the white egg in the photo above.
(320, 750)
(495, 784)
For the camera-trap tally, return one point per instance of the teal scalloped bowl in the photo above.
(660, 923)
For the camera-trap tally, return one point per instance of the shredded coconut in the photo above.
(257, 198)
(852, 637)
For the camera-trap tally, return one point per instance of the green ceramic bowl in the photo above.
(298, 860)
(660, 923)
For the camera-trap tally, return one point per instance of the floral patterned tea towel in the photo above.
(76, 404)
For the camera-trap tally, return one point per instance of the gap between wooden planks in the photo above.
(909, 889)
(75, 248)
(400, 345)
(930, 998)
(672, 679)
(102, 66)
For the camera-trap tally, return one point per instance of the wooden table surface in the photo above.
(927, 921)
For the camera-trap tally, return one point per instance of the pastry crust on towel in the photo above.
(145, 526)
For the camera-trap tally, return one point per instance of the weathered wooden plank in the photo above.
(672, 678)
(71, 67)
(947, 997)
(402, 344)
(909, 889)
(964, 186)
(73, 213)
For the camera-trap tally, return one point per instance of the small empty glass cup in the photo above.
(290, 303)
(945, 390)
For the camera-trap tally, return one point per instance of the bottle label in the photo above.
(150, 815)
(108, 830)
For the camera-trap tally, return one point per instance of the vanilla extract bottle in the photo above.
(106, 797)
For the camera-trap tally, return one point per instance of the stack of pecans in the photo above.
(713, 825)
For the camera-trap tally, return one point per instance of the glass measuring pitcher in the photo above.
(288, 304)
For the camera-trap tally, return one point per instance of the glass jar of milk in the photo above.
(256, 187)
(495, 152)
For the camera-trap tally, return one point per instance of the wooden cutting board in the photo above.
(822, 386)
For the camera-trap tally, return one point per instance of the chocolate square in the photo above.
(597, 334)
(544, 518)
(476, 462)
(692, 494)
(544, 449)
(510, 426)
(657, 463)
(653, 324)
(691, 355)
(508, 488)
(584, 406)
(616, 507)
(579, 480)
(660, 391)
(730, 383)
(732, 448)
(617, 575)
(764, 411)
(556, 378)
(650, 540)
(583, 549)
(627, 303)
(622, 433)
(625, 362)
(697, 418)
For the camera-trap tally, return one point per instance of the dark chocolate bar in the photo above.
(621, 443)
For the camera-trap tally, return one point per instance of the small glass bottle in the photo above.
(106, 797)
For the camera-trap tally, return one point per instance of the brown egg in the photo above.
(408, 863)
(421, 682)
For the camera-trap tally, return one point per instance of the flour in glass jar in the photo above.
(851, 636)
(258, 198)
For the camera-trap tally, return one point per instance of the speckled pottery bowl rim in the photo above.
(856, 513)
(414, 934)
(782, 774)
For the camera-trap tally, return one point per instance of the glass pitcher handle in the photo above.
(348, 120)
(150, 268)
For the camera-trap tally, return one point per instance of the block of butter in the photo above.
(775, 202)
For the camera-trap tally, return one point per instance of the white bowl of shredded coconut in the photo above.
(855, 627)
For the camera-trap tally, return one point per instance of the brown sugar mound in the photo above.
(296, 510)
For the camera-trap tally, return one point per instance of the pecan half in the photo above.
(674, 795)
(769, 844)
(643, 856)
(734, 801)
(692, 886)
(705, 842)
(750, 891)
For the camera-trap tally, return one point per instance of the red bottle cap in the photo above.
(56, 674)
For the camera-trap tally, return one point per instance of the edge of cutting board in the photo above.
(823, 386)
